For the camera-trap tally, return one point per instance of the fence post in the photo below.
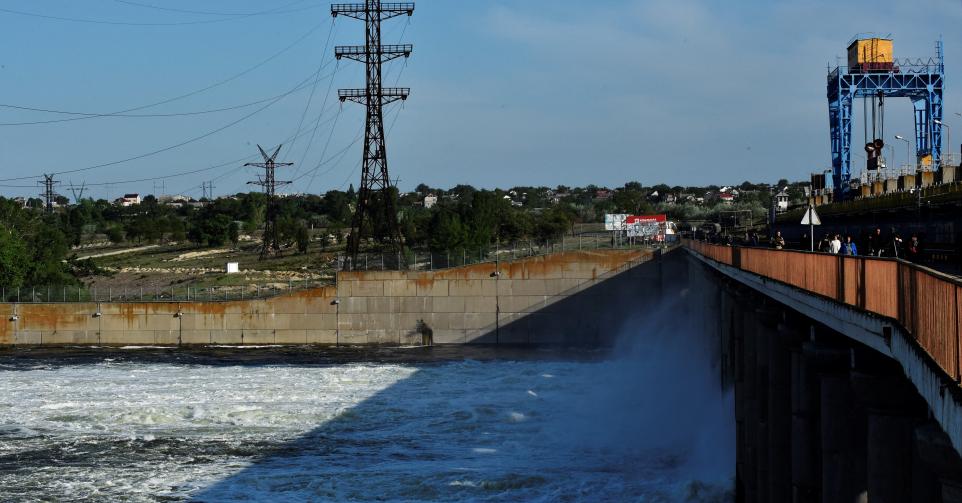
(399, 260)
(110, 294)
(65, 294)
(430, 261)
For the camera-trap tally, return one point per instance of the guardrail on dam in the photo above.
(558, 298)
(845, 372)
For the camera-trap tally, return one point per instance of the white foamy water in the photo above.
(475, 431)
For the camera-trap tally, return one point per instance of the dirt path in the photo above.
(118, 252)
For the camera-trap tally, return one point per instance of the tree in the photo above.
(13, 259)
(115, 234)
(233, 234)
(303, 239)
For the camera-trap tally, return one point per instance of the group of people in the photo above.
(873, 244)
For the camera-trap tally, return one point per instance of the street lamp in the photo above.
(908, 158)
(948, 135)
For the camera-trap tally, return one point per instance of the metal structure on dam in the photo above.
(846, 374)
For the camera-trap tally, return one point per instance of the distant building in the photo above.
(430, 200)
(781, 201)
(176, 200)
(22, 201)
(602, 194)
(727, 197)
(128, 200)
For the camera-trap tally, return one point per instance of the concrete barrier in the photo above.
(558, 298)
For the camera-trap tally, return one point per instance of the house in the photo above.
(173, 200)
(781, 201)
(128, 200)
(727, 197)
(602, 194)
(430, 200)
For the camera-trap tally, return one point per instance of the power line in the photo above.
(310, 97)
(278, 10)
(233, 162)
(188, 11)
(95, 115)
(177, 145)
(209, 87)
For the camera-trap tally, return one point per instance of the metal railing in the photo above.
(174, 293)
(200, 290)
(426, 260)
(926, 303)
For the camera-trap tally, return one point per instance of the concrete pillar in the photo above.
(842, 441)
(889, 458)
(745, 410)
(781, 337)
(763, 341)
(805, 430)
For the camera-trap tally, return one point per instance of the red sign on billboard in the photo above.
(645, 219)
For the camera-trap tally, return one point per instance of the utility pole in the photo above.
(78, 192)
(48, 193)
(269, 183)
(208, 188)
(162, 185)
(374, 172)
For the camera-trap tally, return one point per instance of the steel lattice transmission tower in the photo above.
(48, 194)
(374, 173)
(269, 183)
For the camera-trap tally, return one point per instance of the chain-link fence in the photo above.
(427, 260)
(182, 292)
(408, 260)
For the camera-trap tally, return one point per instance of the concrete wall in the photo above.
(571, 297)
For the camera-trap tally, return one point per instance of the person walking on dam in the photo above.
(835, 245)
(848, 247)
(778, 242)
(875, 243)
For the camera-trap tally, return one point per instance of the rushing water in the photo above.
(400, 425)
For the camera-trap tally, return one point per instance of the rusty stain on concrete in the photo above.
(312, 302)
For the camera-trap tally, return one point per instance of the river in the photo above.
(308, 424)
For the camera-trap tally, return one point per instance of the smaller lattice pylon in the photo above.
(269, 183)
(49, 195)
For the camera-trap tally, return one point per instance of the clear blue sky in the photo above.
(503, 92)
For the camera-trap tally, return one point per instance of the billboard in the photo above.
(615, 222)
(646, 226)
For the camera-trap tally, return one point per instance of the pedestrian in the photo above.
(913, 249)
(848, 247)
(778, 242)
(753, 237)
(835, 245)
(894, 248)
(875, 242)
(825, 245)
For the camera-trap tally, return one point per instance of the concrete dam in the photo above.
(844, 371)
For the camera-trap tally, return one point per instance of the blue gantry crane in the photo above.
(874, 73)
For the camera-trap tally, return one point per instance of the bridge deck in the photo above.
(902, 310)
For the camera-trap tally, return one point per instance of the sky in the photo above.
(503, 92)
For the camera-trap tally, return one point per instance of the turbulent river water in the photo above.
(300, 424)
